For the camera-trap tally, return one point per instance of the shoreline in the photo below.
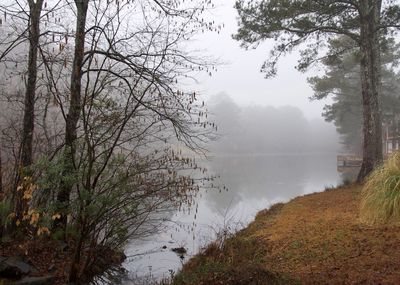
(308, 240)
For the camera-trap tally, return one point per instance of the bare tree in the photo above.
(131, 107)
(75, 106)
(147, 70)
(19, 56)
(1, 177)
(26, 155)
(120, 161)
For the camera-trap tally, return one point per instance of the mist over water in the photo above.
(263, 155)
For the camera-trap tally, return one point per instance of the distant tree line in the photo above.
(268, 130)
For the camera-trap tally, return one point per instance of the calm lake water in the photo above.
(255, 182)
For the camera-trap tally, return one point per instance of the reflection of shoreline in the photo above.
(268, 154)
(265, 175)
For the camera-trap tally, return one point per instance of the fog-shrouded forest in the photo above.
(267, 129)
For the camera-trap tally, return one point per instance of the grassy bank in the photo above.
(314, 239)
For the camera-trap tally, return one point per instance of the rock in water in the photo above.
(179, 250)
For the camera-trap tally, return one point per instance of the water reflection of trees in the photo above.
(269, 177)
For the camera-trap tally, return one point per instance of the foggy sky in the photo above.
(240, 74)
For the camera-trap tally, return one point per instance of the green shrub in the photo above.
(380, 196)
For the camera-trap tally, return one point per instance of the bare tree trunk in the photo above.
(1, 177)
(371, 87)
(25, 159)
(74, 273)
(73, 112)
(76, 261)
(1, 193)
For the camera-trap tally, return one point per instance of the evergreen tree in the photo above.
(311, 23)
(342, 81)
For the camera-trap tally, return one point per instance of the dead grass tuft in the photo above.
(380, 197)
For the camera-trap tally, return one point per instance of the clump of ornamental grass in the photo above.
(380, 196)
